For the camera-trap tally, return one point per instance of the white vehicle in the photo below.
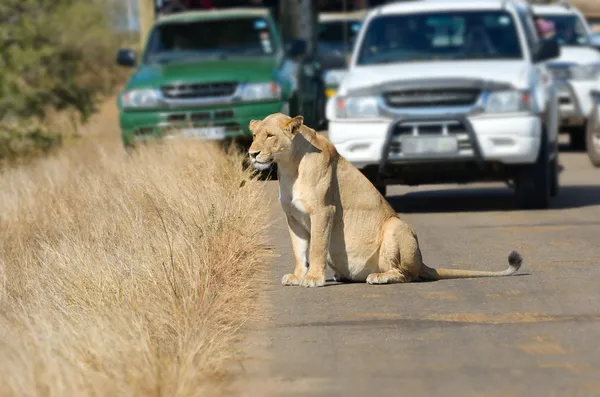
(451, 91)
(593, 131)
(337, 31)
(576, 72)
(593, 125)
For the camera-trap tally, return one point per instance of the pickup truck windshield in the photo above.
(240, 37)
(456, 35)
(569, 29)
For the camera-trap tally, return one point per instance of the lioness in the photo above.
(336, 216)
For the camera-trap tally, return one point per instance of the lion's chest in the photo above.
(293, 203)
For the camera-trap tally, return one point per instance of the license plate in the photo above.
(412, 146)
(209, 133)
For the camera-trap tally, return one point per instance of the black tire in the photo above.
(533, 182)
(577, 138)
(554, 182)
(592, 136)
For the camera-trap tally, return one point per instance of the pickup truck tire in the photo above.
(554, 183)
(533, 183)
(382, 189)
(592, 136)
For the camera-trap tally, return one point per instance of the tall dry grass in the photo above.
(127, 276)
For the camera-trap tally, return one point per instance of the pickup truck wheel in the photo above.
(533, 183)
(382, 189)
(592, 135)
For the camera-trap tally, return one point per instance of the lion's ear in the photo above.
(253, 124)
(293, 125)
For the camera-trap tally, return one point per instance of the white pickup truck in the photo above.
(451, 91)
(576, 72)
(593, 127)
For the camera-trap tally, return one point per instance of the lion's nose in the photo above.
(254, 154)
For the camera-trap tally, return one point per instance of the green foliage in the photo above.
(54, 55)
(26, 141)
(57, 53)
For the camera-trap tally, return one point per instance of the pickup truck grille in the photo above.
(431, 128)
(431, 98)
(198, 90)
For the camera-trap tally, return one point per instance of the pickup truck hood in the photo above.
(507, 72)
(200, 71)
(579, 55)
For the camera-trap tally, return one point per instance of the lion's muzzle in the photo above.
(261, 163)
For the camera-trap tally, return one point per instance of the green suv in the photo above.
(206, 74)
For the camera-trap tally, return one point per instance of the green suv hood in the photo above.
(200, 71)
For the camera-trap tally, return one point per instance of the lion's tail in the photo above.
(514, 263)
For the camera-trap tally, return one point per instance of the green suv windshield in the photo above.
(456, 35)
(569, 29)
(220, 39)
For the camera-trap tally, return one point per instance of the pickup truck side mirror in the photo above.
(547, 49)
(295, 48)
(126, 57)
(595, 40)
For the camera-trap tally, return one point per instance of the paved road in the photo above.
(536, 334)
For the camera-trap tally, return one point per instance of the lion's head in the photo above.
(272, 139)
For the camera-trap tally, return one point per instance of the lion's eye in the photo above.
(269, 136)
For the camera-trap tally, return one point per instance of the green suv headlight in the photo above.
(145, 98)
(260, 91)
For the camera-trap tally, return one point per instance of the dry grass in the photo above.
(127, 276)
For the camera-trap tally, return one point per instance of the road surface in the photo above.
(535, 334)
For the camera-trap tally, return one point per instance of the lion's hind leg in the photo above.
(389, 262)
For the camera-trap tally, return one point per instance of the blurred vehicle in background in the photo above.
(444, 91)
(206, 74)
(595, 40)
(592, 135)
(576, 72)
(337, 33)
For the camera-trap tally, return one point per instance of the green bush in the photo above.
(26, 141)
(54, 54)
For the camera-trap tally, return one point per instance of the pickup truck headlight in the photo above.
(507, 102)
(260, 91)
(585, 72)
(356, 107)
(141, 98)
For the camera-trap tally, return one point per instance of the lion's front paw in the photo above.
(312, 281)
(290, 279)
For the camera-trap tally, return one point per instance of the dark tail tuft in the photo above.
(515, 260)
